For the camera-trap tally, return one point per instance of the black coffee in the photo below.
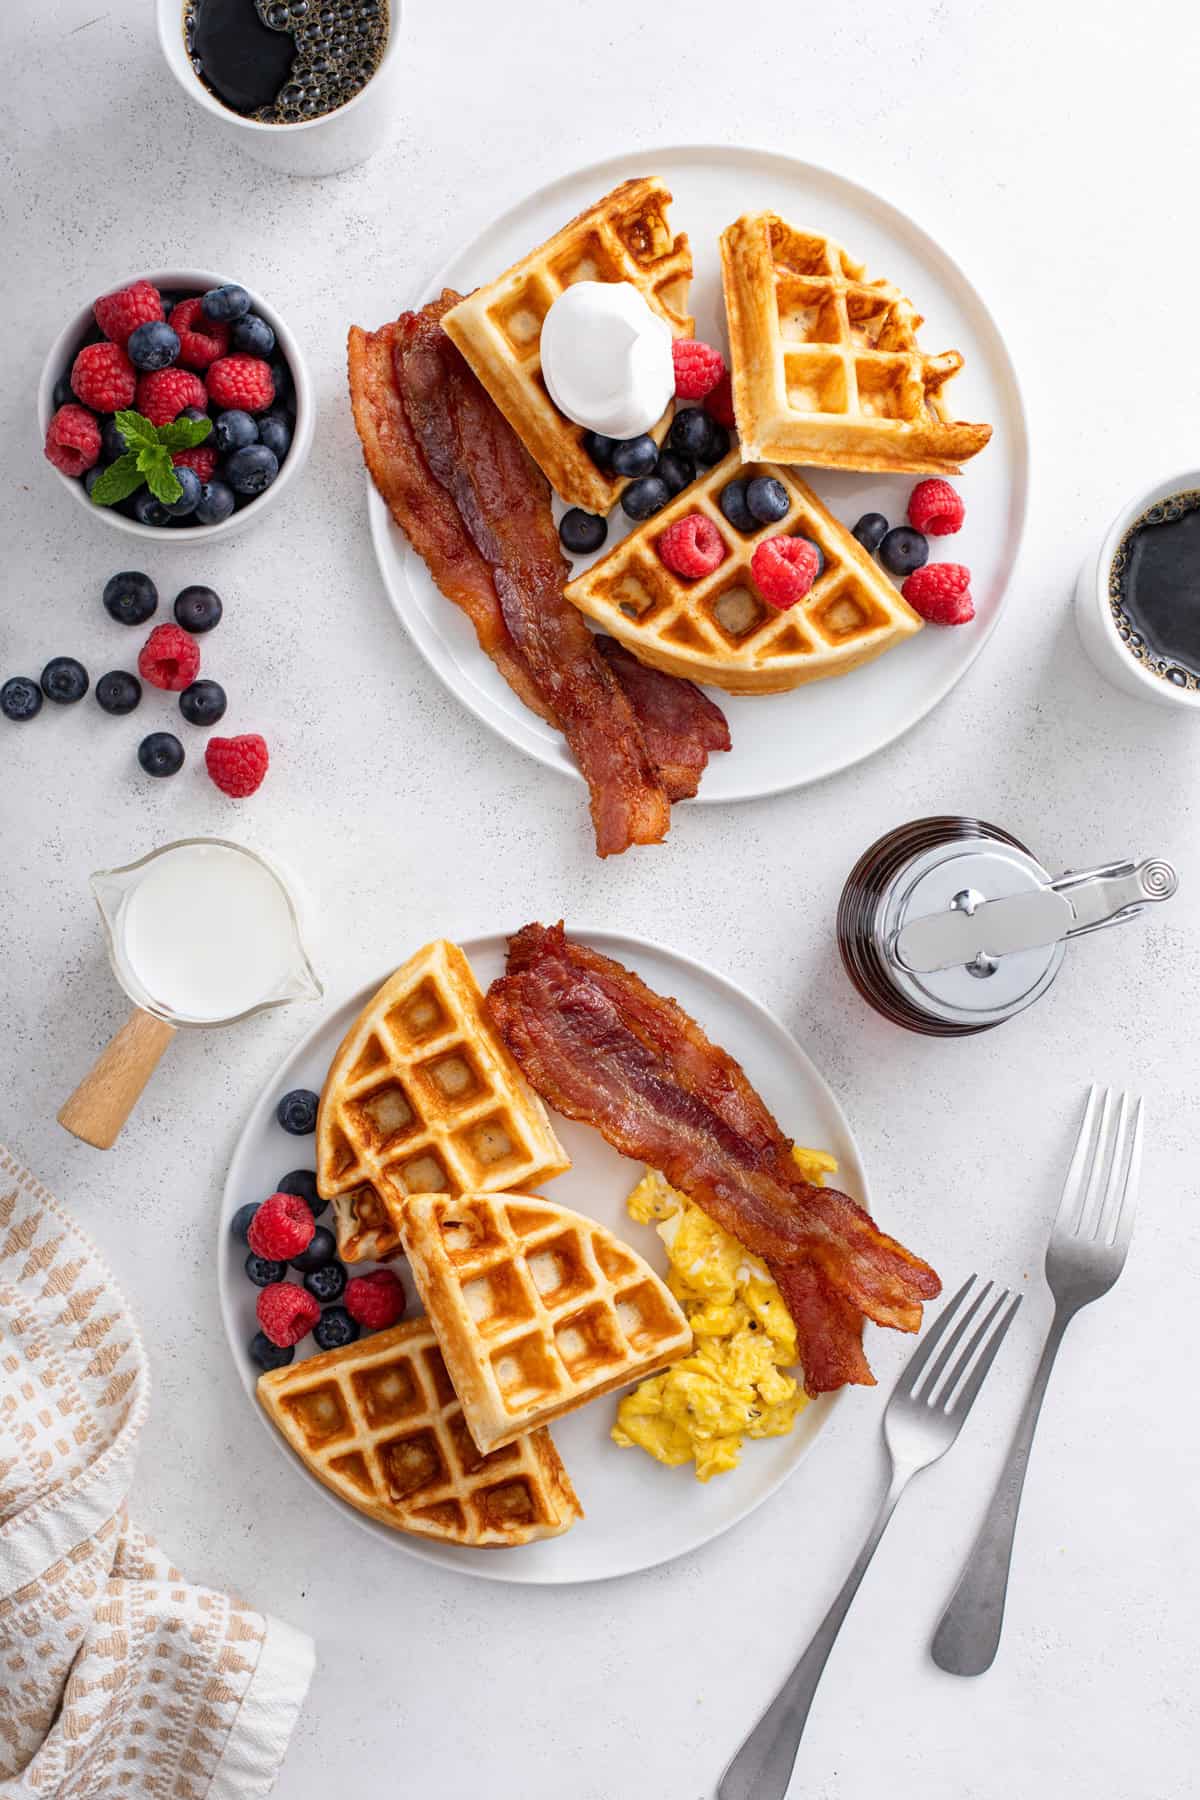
(280, 61)
(1154, 589)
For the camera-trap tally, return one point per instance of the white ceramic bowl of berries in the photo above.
(175, 348)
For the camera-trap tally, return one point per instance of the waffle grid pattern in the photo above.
(537, 1309)
(624, 237)
(825, 361)
(421, 1096)
(717, 629)
(379, 1423)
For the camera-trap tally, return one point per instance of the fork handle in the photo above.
(968, 1635)
(763, 1766)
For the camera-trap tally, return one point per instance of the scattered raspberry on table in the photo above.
(237, 765)
(169, 659)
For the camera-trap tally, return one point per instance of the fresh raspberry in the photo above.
(237, 765)
(719, 403)
(936, 509)
(104, 378)
(120, 313)
(170, 659)
(241, 382)
(692, 546)
(784, 568)
(199, 344)
(163, 394)
(941, 593)
(202, 458)
(286, 1312)
(282, 1228)
(73, 440)
(698, 368)
(375, 1300)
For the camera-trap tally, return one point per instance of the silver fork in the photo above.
(1085, 1255)
(924, 1416)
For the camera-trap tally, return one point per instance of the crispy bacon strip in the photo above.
(424, 510)
(504, 503)
(603, 1048)
(680, 724)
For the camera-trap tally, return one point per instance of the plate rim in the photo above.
(483, 1566)
(466, 691)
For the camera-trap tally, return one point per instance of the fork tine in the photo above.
(965, 1398)
(1080, 1159)
(952, 1342)
(1084, 1223)
(1123, 1224)
(1110, 1201)
(915, 1365)
(962, 1361)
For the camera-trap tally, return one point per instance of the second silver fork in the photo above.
(1085, 1255)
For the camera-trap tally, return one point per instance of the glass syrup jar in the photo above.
(948, 925)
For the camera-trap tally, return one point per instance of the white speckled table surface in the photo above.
(1048, 156)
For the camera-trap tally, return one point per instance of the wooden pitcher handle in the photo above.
(112, 1087)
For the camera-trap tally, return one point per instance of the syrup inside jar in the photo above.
(281, 62)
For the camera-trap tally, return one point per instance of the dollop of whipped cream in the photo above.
(606, 358)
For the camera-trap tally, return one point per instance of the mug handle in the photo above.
(113, 1085)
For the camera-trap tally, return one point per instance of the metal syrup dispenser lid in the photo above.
(974, 930)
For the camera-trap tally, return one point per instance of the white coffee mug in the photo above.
(323, 146)
(1094, 614)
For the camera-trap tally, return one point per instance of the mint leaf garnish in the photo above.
(160, 474)
(135, 429)
(118, 481)
(184, 434)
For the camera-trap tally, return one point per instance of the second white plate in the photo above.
(638, 1513)
(787, 740)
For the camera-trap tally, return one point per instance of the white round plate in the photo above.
(638, 1513)
(787, 740)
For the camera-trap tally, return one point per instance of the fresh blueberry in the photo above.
(732, 502)
(281, 378)
(91, 477)
(767, 499)
(870, 531)
(642, 499)
(64, 394)
(820, 554)
(112, 444)
(582, 532)
(233, 430)
(903, 550)
(118, 691)
(190, 485)
(599, 448)
(130, 597)
(262, 1271)
(634, 457)
(153, 345)
(239, 1225)
(677, 471)
(203, 703)
(64, 680)
(216, 502)
(268, 1355)
(194, 413)
(197, 609)
(303, 1183)
(275, 431)
(252, 336)
(149, 511)
(225, 303)
(691, 434)
(252, 470)
(161, 754)
(717, 447)
(322, 1248)
(326, 1283)
(20, 699)
(297, 1111)
(334, 1328)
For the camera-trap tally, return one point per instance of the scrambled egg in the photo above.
(733, 1385)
